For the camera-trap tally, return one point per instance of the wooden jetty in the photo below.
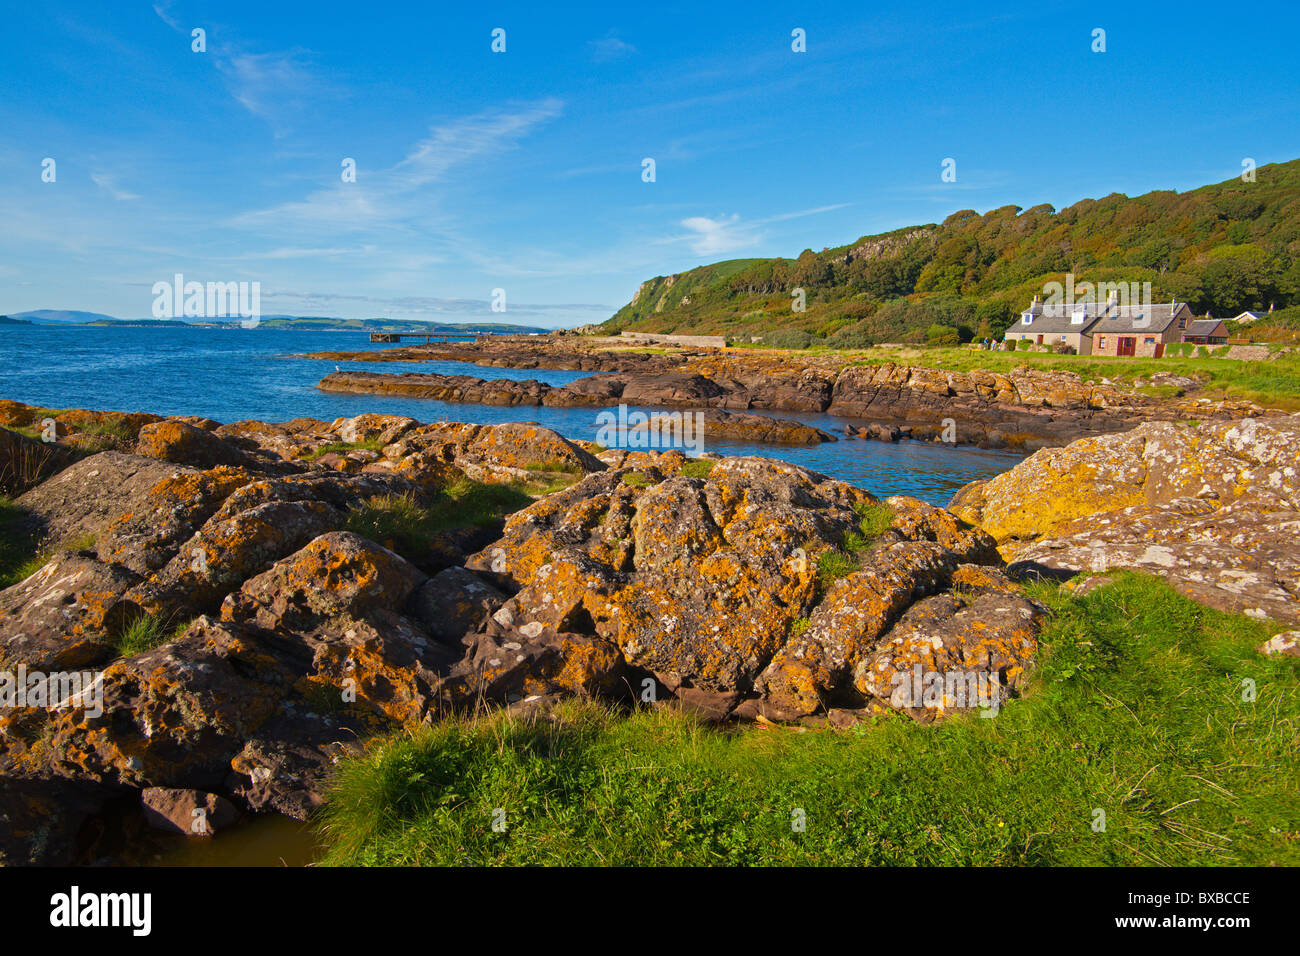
(429, 337)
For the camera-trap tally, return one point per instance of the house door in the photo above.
(1127, 345)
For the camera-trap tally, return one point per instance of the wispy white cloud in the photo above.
(709, 237)
(382, 197)
(109, 184)
(609, 47)
(277, 86)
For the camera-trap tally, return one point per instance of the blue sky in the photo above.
(522, 170)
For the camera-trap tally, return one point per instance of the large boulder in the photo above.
(85, 499)
(1213, 508)
(711, 585)
(64, 616)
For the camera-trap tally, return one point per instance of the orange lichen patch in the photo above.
(168, 714)
(994, 637)
(850, 622)
(974, 577)
(1156, 462)
(130, 423)
(184, 444)
(228, 550)
(370, 426)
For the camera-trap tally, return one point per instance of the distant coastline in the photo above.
(75, 319)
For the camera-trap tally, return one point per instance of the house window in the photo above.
(1101, 341)
(1028, 318)
(1182, 323)
(1149, 340)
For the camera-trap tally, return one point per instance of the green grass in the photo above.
(1136, 711)
(1274, 384)
(342, 448)
(144, 634)
(636, 480)
(409, 528)
(698, 467)
(18, 558)
(873, 521)
(833, 565)
(19, 555)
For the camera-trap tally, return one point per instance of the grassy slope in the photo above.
(1136, 710)
(1223, 248)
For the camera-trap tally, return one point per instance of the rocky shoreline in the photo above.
(1025, 409)
(303, 598)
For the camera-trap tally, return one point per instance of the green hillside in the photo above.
(1223, 248)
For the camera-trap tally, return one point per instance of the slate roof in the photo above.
(1100, 318)
(1139, 319)
(1203, 326)
(1057, 319)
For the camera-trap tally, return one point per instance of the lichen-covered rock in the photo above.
(700, 582)
(1212, 508)
(1286, 644)
(1243, 558)
(1156, 462)
(64, 616)
(86, 498)
(455, 602)
(977, 645)
(184, 444)
(337, 574)
(174, 716)
(150, 528)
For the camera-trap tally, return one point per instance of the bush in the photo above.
(851, 339)
(788, 339)
(942, 335)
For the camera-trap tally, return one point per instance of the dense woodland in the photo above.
(1222, 248)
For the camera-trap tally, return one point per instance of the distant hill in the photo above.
(6, 320)
(41, 316)
(1222, 248)
(302, 323)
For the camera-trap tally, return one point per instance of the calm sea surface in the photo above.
(237, 374)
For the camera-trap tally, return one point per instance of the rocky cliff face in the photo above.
(1214, 508)
(741, 587)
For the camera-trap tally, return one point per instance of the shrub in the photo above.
(942, 335)
(789, 339)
